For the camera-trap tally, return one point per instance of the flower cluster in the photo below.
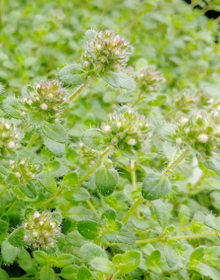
(23, 170)
(47, 99)
(186, 101)
(126, 130)
(200, 131)
(88, 155)
(8, 136)
(41, 230)
(106, 51)
(148, 80)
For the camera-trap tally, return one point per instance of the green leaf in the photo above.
(61, 260)
(12, 179)
(57, 149)
(41, 257)
(159, 101)
(16, 238)
(183, 215)
(109, 214)
(127, 262)
(79, 213)
(70, 179)
(162, 213)
(122, 236)
(89, 251)
(73, 74)
(47, 273)
(83, 274)
(155, 186)
(103, 265)
(106, 180)
(69, 272)
(13, 107)
(90, 35)
(29, 190)
(3, 228)
(88, 229)
(170, 255)
(9, 252)
(51, 166)
(3, 274)
(154, 258)
(212, 222)
(55, 132)
(118, 80)
(48, 183)
(77, 194)
(94, 138)
(197, 255)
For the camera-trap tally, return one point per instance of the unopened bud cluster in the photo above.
(200, 132)
(187, 101)
(149, 80)
(88, 155)
(41, 230)
(8, 136)
(106, 51)
(24, 171)
(47, 99)
(127, 130)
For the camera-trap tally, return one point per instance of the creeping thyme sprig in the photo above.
(9, 138)
(41, 230)
(47, 100)
(24, 171)
(148, 80)
(200, 132)
(126, 129)
(106, 51)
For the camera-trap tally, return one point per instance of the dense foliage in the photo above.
(109, 141)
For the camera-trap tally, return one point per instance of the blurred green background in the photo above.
(39, 37)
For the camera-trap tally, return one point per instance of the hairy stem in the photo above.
(132, 210)
(133, 175)
(79, 90)
(85, 176)
(174, 164)
(31, 142)
(92, 207)
(4, 190)
(162, 239)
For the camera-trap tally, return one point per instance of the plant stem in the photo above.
(165, 239)
(85, 176)
(79, 90)
(4, 190)
(57, 194)
(91, 206)
(31, 142)
(132, 209)
(162, 239)
(174, 164)
(133, 175)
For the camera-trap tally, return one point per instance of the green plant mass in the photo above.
(109, 140)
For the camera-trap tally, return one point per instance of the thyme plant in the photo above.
(123, 196)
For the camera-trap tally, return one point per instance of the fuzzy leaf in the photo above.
(106, 180)
(88, 229)
(46, 273)
(73, 74)
(118, 80)
(155, 186)
(55, 132)
(94, 138)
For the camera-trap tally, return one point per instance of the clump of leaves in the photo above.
(119, 192)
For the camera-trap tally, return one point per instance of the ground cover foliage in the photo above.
(109, 141)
